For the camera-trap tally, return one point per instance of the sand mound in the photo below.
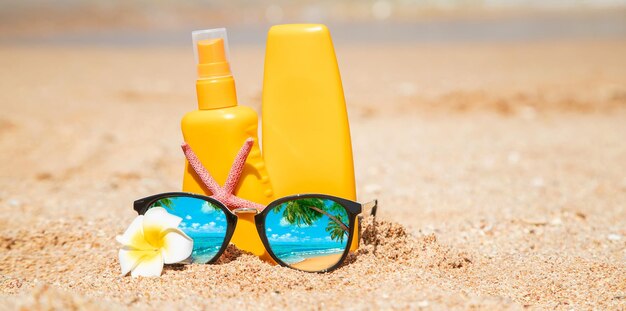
(390, 242)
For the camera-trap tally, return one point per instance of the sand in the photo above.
(499, 168)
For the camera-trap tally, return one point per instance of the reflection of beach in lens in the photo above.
(202, 221)
(308, 234)
(309, 258)
(205, 248)
(295, 253)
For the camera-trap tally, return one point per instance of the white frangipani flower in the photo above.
(152, 240)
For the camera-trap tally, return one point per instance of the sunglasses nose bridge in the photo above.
(245, 210)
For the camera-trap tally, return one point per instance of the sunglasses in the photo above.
(308, 232)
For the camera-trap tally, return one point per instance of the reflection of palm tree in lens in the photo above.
(213, 206)
(304, 212)
(165, 202)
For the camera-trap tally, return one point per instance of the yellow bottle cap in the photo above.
(215, 86)
(212, 58)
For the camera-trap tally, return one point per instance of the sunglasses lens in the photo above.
(203, 221)
(309, 234)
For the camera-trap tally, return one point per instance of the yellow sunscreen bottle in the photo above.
(218, 129)
(306, 135)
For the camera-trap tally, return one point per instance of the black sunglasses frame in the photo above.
(352, 208)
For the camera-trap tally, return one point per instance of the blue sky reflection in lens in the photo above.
(202, 221)
(308, 234)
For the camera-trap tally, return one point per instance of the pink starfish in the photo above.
(224, 194)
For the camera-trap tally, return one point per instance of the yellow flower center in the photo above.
(154, 236)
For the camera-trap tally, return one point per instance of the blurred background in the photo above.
(169, 21)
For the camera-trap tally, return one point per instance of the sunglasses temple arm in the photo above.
(197, 166)
(369, 208)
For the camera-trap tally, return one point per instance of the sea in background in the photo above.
(168, 22)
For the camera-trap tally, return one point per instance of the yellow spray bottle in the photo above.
(218, 129)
